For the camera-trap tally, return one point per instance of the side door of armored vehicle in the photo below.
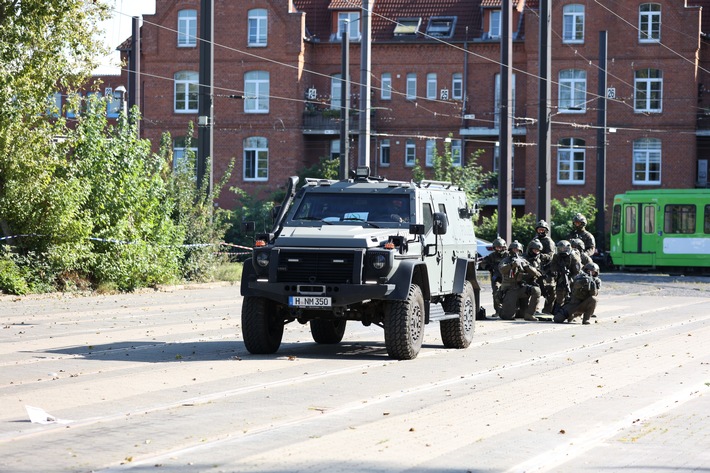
(448, 249)
(431, 257)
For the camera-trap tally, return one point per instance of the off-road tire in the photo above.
(404, 325)
(262, 329)
(458, 333)
(328, 331)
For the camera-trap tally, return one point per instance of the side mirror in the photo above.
(441, 223)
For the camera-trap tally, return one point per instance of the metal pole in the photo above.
(601, 145)
(134, 70)
(205, 106)
(345, 102)
(544, 142)
(505, 191)
(365, 83)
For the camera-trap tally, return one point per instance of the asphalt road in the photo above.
(160, 381)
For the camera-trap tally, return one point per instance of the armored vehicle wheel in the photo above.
(458, 333)
(262, 329)
(328, 332)
(404, 325)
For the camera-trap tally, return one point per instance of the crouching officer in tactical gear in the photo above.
(491, 262)
(585, 289)
(565, 266)
(518, 289)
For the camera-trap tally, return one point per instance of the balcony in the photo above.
(327, 122)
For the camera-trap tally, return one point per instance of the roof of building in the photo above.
(386, 13)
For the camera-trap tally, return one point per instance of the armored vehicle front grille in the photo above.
(316, 267)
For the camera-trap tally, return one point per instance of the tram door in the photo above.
(640, 237)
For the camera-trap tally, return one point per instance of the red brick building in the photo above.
(435, 68)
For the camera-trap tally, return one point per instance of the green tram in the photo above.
(661, 227)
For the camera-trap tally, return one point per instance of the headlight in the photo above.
(262, 259)
(379, 261)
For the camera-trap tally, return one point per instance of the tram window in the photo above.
(649, 219)
(707, 219)
(616, 220)
(679, 219)
(630, 226)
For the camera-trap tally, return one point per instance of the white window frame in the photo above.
(430, 150)
(411, 86)
(385, 152)
(647, 160)
(410, 152)
(573, 23)
(335, 149)
(386, 84)
(257, 27)
(457, 86)
(186, 83)
(431, 86)
(494, 26)
(497, 104)
(572, 91)
(256, 92)
(256, 157)
(649, 23)
(648, 91)
(336, 87)
(353, 27)
(114, 103)
(180, 152)
(187, 28)
(571, 161)
(456, 152)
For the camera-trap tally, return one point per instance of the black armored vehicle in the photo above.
(399, 255)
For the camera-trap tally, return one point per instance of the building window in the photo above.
(573, 91)
(386, 90)
(183, 152)
(649, 23)
(498, 105)
(431, 86)
(441, 27)
(186, 91)
(430, 152)
(573, 24)
(647, 161)
(407, 26)
(570, 161)
(114, 102)
(54, 105)
(384, 152)
(335, 149)
(256, 159)
(457, 86)
(73, 105)
(187, 29)
(648, 90)
(456, 152)
(353, 27)
(494, 30)
(257, 26)
(410, 154)
(336, 87)
(411, 86)
(256, 92)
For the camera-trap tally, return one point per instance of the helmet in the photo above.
(577, 243)
(591, 267)
(499, 242)
(579, 218)
(534, 245)
(542, 224)
(516, 246)
(563, 246)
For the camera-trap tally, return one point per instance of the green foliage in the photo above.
(326, 168)
(12, 277)
(523, 227)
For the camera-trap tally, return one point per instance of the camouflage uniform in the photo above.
(578, 247)
(491, 261)
(517, 289)
(579, 223)
(585, 289)
(565, 265)
(547, 285)
(542, 233)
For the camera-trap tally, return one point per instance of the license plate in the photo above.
(308, 301)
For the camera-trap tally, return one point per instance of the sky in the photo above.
(118, 28)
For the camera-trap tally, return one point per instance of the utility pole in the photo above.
(365, 82)
(505, 190)
(205, 106)
(544, 115)
(345, 101)
(601, 145)
(134, 70)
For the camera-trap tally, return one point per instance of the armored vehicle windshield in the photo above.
(344, 207)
